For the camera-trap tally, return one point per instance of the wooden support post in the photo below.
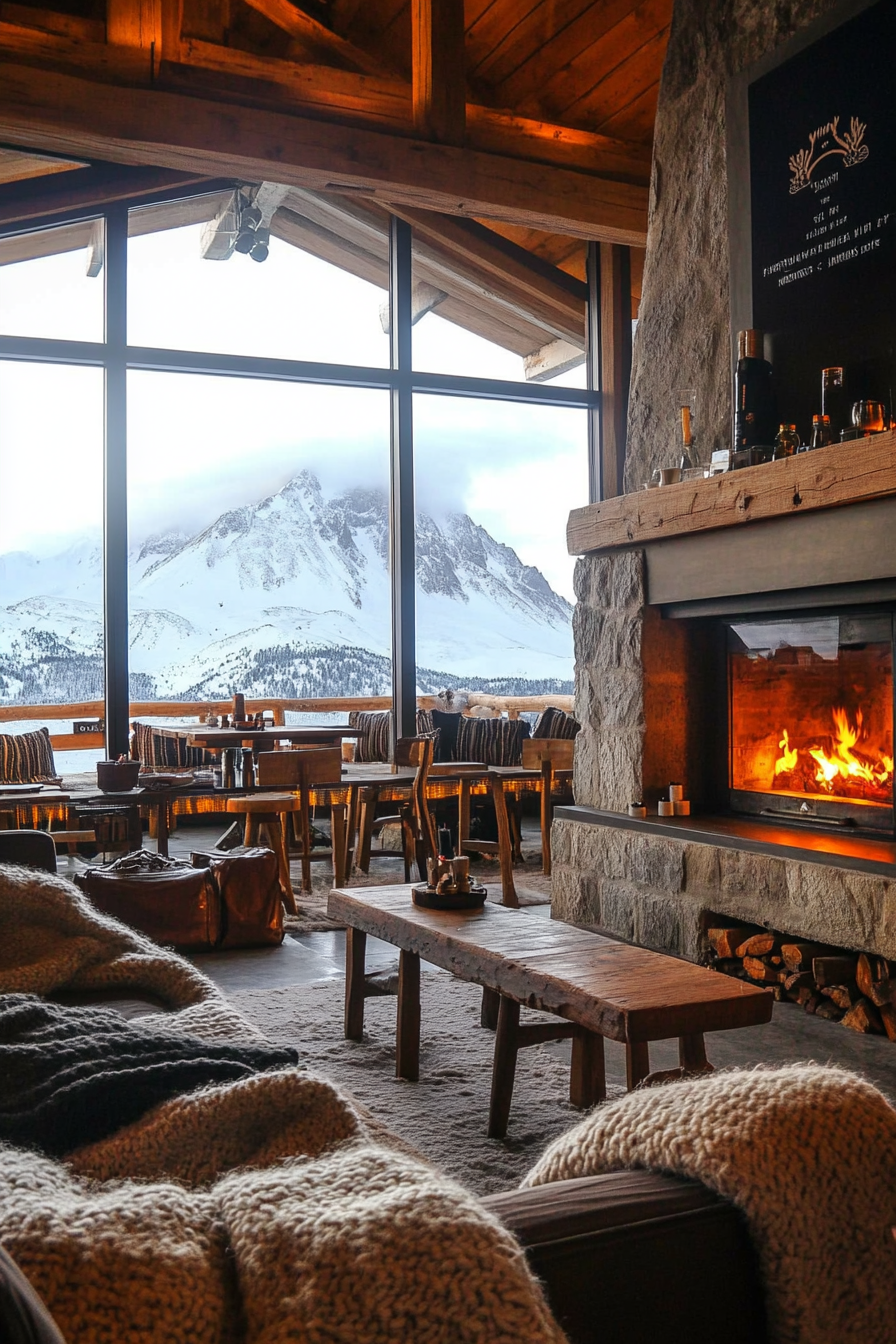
(503, 1068)
(407, 1036)
(439, 90)
(588, 1076)
(615, 364)
(355, 951)
(637, 1063)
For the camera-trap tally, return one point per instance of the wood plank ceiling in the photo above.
(535, 112)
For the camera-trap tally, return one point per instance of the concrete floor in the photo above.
(791, 1036)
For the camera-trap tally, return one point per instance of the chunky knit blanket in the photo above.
(72, 1076)
(808, 1153)
(251, 1212)
(52, 939)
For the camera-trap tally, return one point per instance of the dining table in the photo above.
(261, 739)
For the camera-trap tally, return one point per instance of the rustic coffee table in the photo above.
(599, 987)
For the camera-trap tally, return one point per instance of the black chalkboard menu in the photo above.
(822, 197)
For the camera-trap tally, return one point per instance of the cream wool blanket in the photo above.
(807, 1152)
(250, 1213)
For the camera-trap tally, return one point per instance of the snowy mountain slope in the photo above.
(295, 589)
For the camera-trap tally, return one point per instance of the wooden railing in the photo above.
(513, 705)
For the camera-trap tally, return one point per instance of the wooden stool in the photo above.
(269, 809)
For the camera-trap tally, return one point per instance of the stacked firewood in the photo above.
(857, 989)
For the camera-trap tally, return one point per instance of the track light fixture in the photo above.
(252, 240)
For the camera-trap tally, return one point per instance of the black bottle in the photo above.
(754, 402)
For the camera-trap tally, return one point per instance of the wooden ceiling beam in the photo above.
(69, 114)
(438, 80)
(198, 66)
(313, 34)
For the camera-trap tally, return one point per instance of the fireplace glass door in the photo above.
(811, 719)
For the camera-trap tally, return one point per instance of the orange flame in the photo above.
(842, 761)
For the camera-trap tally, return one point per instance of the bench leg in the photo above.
(692, 1054)
(407, 1040)
(488, 1013)
(588, 1077)
(503, 1068)
(355, 949)
(637, 1063)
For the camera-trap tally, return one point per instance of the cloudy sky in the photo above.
(198, 445)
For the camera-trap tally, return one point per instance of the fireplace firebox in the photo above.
(810, 718)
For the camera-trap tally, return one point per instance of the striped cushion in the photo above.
(425, 725)
(375, 743)
(555, 723)
(27, 758)
(157, 749)
(491, 741)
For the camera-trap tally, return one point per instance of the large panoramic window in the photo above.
(255, 439)
(51, 545)
(259, 539)
(495, 482)
(186, 293)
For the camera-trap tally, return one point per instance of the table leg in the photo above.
(488, 1013)
(407, 1039)
(692, 1053)
(588, 1076)
(355, 950)
(463, 813)
(365, 828)
(505, 857)
(162, 828)
(503, 1068)
(135, 829)
(337, 842)
(637, 1063)
(278, 823)
(305, 829)
(547, 782)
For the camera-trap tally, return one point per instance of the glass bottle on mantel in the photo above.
(833, 401)
(754, 403)
(787, 442)
(821, 433)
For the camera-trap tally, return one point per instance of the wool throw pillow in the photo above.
(376, 729)
(27, 758)
(554, 722)
(491, 741)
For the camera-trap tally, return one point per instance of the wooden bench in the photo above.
(599, 987)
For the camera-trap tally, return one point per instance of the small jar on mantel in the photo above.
(787, 442)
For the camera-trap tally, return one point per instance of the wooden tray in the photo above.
(429, 899)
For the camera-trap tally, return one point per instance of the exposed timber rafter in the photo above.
(310, 32)
(68, 113)
(439, 85)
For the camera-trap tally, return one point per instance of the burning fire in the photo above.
(841, 764)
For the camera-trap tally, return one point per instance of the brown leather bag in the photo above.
(180, 908)
(248, 885)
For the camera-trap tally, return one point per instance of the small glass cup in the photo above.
(868, 416)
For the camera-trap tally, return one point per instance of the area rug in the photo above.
(444, 1115)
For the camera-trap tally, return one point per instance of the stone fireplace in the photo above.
(652, 675)
(693, 662)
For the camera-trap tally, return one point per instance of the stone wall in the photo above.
(682, 339)
(661, 892)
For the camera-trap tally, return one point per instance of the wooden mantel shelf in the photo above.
(823, 479)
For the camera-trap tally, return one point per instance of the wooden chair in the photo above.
(549, 755)
(316, 770)
(270, 810)
(417, 827)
